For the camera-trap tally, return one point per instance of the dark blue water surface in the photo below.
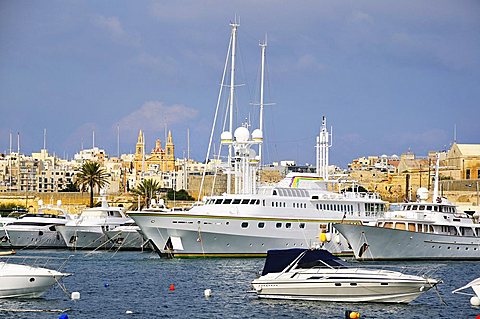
(111, 284)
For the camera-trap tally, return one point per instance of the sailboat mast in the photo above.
(435, 187)
(263, 47)
(234, 26)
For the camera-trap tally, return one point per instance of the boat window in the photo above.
(245, 201)
(218, 201)
(274, 192)
(430, 229)
(236, 201)
(414, 207)
(400, 226)
(388, 225)
(302, 225)
(422, 207)
(429, 208)
(411, 226)
(452, 230)
(278, 225)
(261, 225)
(227, 201)
(244, 225)
(288, 225)
(338, 284)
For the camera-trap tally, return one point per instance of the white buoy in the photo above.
(128, 312)
(75, 295)
(475, 301)
(208, 292)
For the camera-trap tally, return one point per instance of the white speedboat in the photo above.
(318, 275)
(88, 230)
(36, 230)
(419, 230)
(24, 281)
(475, 285)
(249, 220)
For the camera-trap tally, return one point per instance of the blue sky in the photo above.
(390, 76)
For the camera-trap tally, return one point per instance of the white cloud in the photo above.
(308, 61)
(154, 115)
(114, 28)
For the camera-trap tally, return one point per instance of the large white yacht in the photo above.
(302, 274)
(36, 230)
(249, 220)
(418, 230)
(88, 230)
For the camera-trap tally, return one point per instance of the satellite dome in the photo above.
(226, 137)
(422, 193)
(257, 135)
(242, 134)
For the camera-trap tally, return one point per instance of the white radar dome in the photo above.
(242, 134)
(257, 135)
(226, 137)
(422, 193)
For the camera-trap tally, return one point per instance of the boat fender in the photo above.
(128, 312)
(328, 236)
(336, 239)
(172, 287)
(75, 295)
(323, 237)
(422, 288)
(475, 301)
(63, 316)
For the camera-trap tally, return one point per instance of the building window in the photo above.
(467, 173)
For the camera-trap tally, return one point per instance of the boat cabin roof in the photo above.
(279, 260)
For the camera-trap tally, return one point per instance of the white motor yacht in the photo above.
(36, 230)
(24, 281)
(248, 220)
(420, 230)
(88, 231)
(318, 275)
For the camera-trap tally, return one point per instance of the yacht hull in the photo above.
(32, 238)
(20, 281)
(84, 237)
(394, 292)
(178, 235)
(126, 238)
(376, 243)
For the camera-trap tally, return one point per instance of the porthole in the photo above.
(32, 279)
(261, 225)
(338, 284)
(244, 225)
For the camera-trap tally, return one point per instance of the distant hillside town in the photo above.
(395, 178)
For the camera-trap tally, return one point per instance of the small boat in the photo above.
(24, 281)
(475, 285)
(304, 274)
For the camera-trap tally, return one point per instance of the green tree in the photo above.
(146, 190)
(180, 195)
(91, 175)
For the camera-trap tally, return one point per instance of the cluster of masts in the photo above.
(243, 162)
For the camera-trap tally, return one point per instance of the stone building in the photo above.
(159, 160)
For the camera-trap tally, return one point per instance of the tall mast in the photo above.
(234, 26)
(263, 47)
(435, 187)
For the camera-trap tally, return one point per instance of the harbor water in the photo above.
(141, 285)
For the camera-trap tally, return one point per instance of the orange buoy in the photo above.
(172, 287)
(354, 315)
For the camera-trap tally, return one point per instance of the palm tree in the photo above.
(91, 174)
(146, 190)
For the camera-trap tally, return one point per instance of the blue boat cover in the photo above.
(278, 259)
